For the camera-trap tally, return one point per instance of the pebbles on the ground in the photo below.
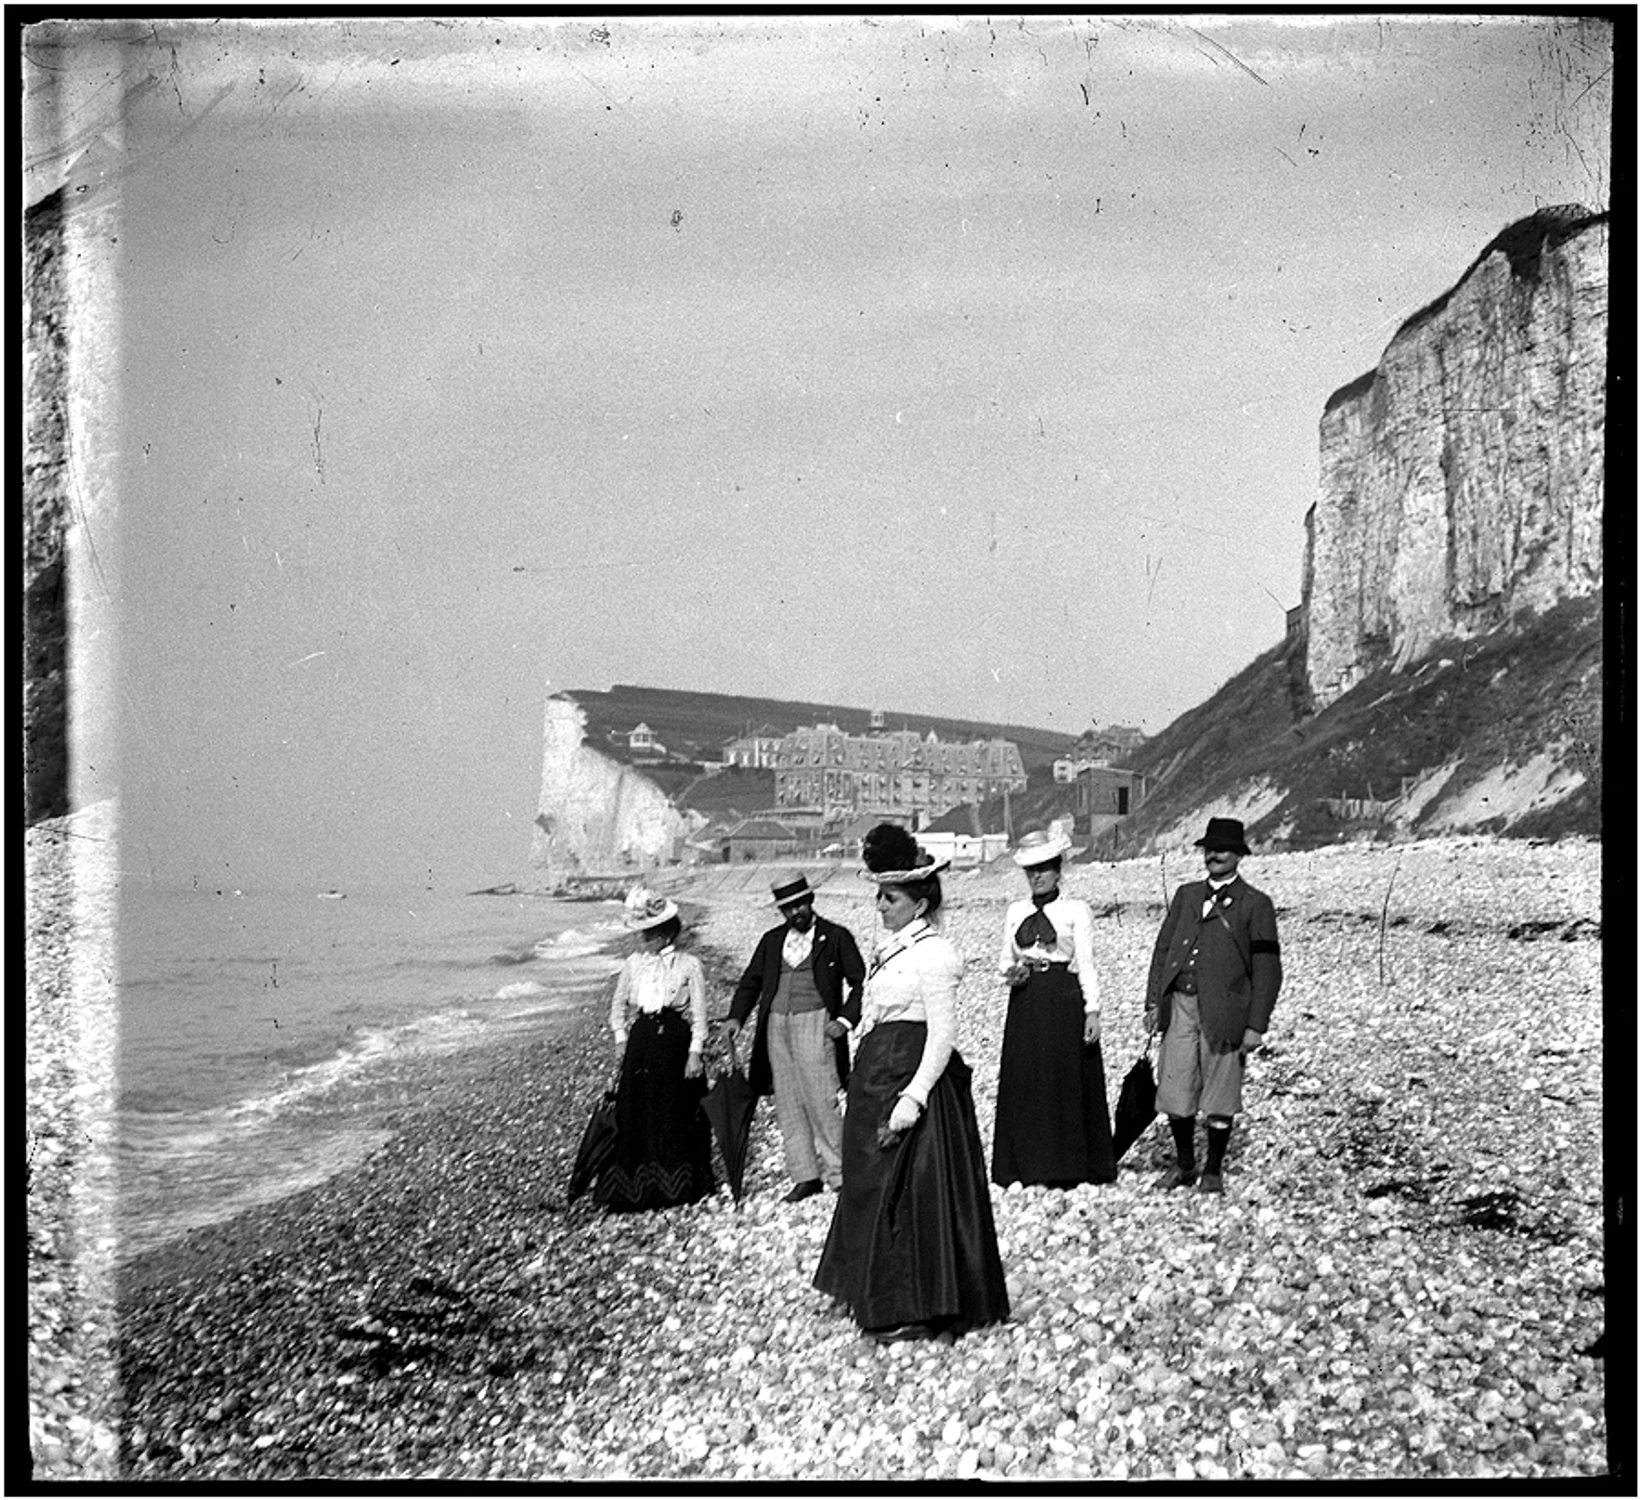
(1397, 1283)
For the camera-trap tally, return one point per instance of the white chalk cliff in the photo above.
(1462, 480)
(596, 816)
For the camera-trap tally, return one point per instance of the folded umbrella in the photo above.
(1136, 1105)
(729, 1106)
(597, 1147)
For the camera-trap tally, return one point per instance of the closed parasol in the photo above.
(597, 1146)
(729, 1106)
(1136, 1105)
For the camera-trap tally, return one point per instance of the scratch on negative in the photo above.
(1230, 54)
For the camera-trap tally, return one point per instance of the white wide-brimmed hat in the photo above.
(647, 908)
(908, 877)
(1040, 846)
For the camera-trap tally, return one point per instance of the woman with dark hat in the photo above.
(658, 1015)
(1052, 1126)
(912, 1250)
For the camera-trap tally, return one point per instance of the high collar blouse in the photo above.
(914, 977)
(1073, 922)
(651, 982)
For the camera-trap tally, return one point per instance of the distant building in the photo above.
(641, 740)
(1110, 746)
(760, 838)
(1108, 792)
(965, 850)
(757, 750)
(892, 775)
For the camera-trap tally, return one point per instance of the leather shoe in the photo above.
(803, 1190)
(1180, 1177)
(904, 1333)
(1211, 1182)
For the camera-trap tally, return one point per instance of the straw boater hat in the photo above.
(647, 909)
(1038, 847)
(790, 892)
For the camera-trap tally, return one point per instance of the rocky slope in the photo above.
(1462, 479)
(1501, 733)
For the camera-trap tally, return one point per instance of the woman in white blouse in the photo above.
(1052, 1125)
(912, 1251)
(658, 1016)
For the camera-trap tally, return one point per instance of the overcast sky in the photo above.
(963, 366)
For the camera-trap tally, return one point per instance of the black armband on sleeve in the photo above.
(1264, 945)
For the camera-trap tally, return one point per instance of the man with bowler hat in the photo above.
(805, 978)
(1215, 973)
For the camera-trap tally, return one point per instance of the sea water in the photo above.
(264, 1035)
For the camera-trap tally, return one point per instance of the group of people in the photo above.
(912, 1248)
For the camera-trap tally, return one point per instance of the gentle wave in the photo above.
(577, 942)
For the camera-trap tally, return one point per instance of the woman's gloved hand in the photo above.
(904, 1115)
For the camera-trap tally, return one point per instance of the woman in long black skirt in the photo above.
(663, 1152)
(1052, 1125)
(912, 1250)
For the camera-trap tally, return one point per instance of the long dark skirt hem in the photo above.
(663, 1151)
(913, 1239)
(1052, 1126)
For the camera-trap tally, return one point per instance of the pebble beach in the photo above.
(1404, 1279)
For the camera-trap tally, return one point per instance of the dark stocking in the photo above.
(1219, 1135)
(1185, 1131)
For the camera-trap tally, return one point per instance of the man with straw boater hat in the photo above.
(805, 978)
(1215, 973)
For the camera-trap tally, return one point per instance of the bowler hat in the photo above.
(788, 892)
(1224, 833)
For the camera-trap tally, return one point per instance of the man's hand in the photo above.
(693, 1066)
(1091, 1028)
(1150, 1020)
(1252, 1041)
(904, 1115)
(835, 1028)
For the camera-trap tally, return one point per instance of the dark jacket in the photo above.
(838, 970)
(1238, 960)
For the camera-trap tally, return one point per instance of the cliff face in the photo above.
(595, 816)
(1462, 480)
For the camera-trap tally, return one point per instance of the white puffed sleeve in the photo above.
(1082, 947)
(620, 1000)
(1008, 955)
(939, 968)
(697, 1004)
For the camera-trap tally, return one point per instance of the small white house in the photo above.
(965, 850)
